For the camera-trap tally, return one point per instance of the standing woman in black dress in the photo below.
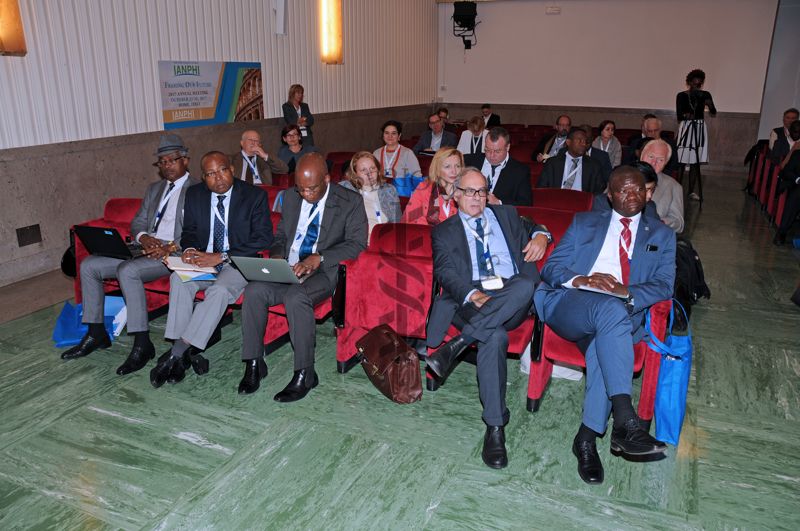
(692, 142)
(296, 111)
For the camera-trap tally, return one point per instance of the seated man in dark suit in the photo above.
(490, 119)
(632, 257)
(573, 169)
(253, 164)
(485, 263)
(157, 227)
(223, 216)
(780, 141)
(597, 154)
(322, 225)
(444, 114)
(551, 144)
(435, 138)
(509, 180)
(790, 183)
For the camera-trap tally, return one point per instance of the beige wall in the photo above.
(609, 53)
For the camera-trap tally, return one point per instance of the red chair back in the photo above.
(283, 180)
(401, 239)
(424, 164)
(765, 181)
(556, 221)
(409, 142)
(121, 209)
(558, 199)
(521, 152)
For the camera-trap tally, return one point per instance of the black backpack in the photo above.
(690, 283)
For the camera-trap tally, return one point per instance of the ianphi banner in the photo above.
(206, 93)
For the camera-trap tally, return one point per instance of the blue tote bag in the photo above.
(673, 379)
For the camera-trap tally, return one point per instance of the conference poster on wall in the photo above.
(208, 93)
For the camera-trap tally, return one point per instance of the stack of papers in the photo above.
(188, 272)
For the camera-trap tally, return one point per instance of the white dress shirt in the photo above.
(166, 228)
(214, 212)
(608, 259)
(302, 226)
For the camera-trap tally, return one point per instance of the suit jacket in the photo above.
(342, 236)
(249, 225)
(424, 142)
(146, 215)
(453, 270)
(493, 121)
(591, 174)
(290, 117)
(544, 146)
(652, 275)
(601, 157)
(265, 167)
(789, 174)
(513, 184)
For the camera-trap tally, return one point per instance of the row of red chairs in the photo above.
(762, 182)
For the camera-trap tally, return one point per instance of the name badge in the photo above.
(492, 283)
(387, 173)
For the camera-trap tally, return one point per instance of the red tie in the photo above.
(625, 237)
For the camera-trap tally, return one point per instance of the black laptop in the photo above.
(106, 241)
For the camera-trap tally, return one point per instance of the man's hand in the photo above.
(602, 281)
(479, 298)
(307, 266)
(540, 157)
(149, 242)
(160, 252)
(535, 248)
(492, 199)
(201, 259)
(258, 150)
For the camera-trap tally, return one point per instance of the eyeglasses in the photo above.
(471, 192)
(368, 171)
(309, 190)
(216, 173)
(292, 134)
(167, 162)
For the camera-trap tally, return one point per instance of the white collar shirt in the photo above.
(302, 225)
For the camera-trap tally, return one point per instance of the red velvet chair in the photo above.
(555, 348)
(536, 172)
(337, 159)
(283, 180)
(558, 199)
(764, 186)
(424, 164)
(521, 151)
(391, 282)
(772, 195)
(409, 142)
(761, 163)
(118, 213)
(556, 221)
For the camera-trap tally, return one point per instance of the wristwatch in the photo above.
(225, 258)
(321, 258)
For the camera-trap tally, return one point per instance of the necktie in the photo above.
(249, 173)
(625, 237)
(483, 270)
(312, 232)
(491, 179)
(573, 173)
(219, 229)
(160, 214)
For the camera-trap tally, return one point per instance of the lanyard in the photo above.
(388, 167)
(606, 147)
(377, 203)
(301, 232)
(475, 141)
(162, 207)
(573, 172)
(253, 167)
(487, 255)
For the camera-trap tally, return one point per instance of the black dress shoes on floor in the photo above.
(254, 371)
(632, 439)
(87, 345)
(169, 369)
(494, 447)
(137, 359)
(590, 468)
(302, 382)
(441, 361)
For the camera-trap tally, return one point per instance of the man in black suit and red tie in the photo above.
(509, 181)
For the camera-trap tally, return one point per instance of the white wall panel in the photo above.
(91, 69)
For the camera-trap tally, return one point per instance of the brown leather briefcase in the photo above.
(391, 365)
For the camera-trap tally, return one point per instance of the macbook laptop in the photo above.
(106, 241)
(266, 270)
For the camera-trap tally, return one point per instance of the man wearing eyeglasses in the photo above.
(157, 227)
(435, 137)
(321, 226)
(484, 260)
(508, 180)
(253, 164)
(223, 217)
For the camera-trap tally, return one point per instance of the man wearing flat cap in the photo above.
(157, 227)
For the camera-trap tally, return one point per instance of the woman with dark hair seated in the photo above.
(380, 198)
(432, 202)
(293, 148)
(395, 159)
(606, 141)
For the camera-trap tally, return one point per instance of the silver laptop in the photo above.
(266, 270)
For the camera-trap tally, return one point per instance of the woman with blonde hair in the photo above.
(296, 111)
(381, 202)
(471, 141)
(432, 202)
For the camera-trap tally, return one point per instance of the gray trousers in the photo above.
(131, 274)
(489, 325)
(299, 300)
(195, 324)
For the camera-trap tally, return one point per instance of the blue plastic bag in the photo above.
(673, 379)
(69, 330)
(406, 184)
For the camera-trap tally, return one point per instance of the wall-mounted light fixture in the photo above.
(12, 36)
(330, 31)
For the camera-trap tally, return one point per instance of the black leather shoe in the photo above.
(137, 359)
(494, 447)
(441, 361)
(254, 371)
(590, 468)
(779, 239)
(631, 439)
(302, 382)
(160, 373)
(179, 366)
(87, 345)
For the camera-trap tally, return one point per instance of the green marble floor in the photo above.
(82, 448)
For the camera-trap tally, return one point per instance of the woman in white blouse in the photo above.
(606, 141)
(471, 141)
(396, 160)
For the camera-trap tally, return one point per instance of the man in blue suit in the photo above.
(630, 259)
